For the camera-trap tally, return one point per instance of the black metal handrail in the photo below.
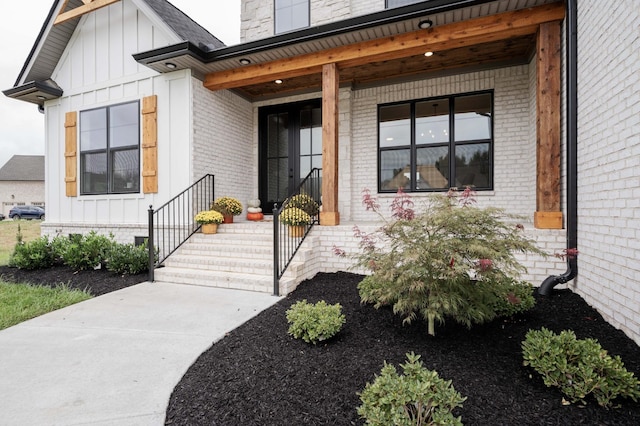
(287, 241)
(173, 223)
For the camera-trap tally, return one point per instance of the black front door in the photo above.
(290, 146)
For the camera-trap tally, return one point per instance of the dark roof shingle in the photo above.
(23, 168)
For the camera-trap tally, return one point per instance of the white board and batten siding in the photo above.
(96, 70)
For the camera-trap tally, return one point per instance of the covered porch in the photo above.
(405, 44)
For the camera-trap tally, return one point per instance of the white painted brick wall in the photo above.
(514, 147)
(609, 161)
(538, 267)
(223, 143)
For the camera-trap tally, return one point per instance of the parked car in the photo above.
(26, 212)
(1, 216)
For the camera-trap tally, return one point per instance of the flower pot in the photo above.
(209, 228)
(227, 218)
(296, 231)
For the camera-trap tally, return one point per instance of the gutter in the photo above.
(572, 152)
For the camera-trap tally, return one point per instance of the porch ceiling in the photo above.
(513, 51)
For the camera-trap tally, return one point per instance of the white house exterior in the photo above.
(608, 162)
(213, 114)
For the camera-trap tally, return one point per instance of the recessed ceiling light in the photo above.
(424, 24)
(170, 65)
(278, 81)
(42, 98)
(427, 54)
(245, 61)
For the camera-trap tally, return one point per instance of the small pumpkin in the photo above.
(255, 216)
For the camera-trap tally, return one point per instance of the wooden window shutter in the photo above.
(150, 144)
(70, 153)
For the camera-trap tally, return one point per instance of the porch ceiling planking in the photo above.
(481, 37)
(512, 51)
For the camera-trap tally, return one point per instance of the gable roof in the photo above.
(23, 168)
(34, 82)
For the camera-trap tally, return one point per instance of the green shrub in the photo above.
(314, 323)
(86, 251)
(453, 260)
(578, 367)
(128, 259)
(58, 246)
(36, 254)
(513, 297)
(417, 397)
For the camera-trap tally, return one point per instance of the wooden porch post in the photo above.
(330, 85)
(548, 214)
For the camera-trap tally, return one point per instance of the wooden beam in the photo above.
(460, 34)
(548, 126)
(88, 6)
(330, 97)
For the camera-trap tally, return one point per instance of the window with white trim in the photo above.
(435, 144)
(110, 149)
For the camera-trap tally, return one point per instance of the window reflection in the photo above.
(473, 117)
(450, 144)
(395, 125)
(395, 169)
(432, 122)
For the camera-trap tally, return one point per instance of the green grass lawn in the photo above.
(20, 302)
(30, 230)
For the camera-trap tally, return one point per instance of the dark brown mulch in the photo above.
(97, 282)
(259, 375)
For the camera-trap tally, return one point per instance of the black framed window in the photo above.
(110, 149)
(438, 143)
(397, 3)
(291, 15)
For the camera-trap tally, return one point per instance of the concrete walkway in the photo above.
(114, 359)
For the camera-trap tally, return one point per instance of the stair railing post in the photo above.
(276, 253)
(151, 246)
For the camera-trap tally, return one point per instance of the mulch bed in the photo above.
(97, 282)
(259, 375)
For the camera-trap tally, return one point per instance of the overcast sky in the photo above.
(21, 125)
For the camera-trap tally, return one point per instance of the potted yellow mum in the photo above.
(228, 206)
(297, 219)
(209, 219)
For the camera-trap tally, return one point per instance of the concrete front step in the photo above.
(239, 256)
(238, 250)
(221, 279)
(230, 238)
(212, 261)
